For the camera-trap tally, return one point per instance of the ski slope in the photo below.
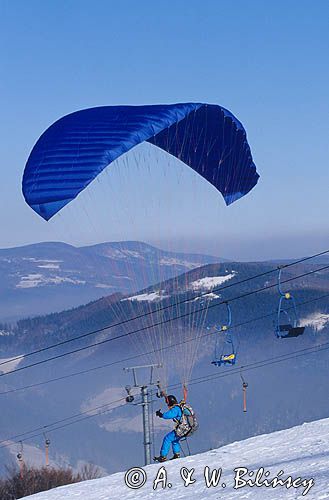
(300, 452)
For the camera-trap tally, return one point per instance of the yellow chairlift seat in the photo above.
(228, 357)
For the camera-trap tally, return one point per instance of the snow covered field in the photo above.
(302, 453)
(210, 282)
(7, 366)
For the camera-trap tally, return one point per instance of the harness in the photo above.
(187, 424)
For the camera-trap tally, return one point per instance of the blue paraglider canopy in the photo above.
(77, 148)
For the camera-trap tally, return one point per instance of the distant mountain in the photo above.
(182, 293)
(48, 277)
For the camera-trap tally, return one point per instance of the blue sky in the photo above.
(265, 61)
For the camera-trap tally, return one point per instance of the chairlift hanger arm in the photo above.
(290, 329)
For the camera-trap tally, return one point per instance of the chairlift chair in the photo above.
(225, 355)
(289, 328)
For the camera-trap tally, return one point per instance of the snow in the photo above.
(109, 394)
(119, 424)
(34, 279)
(30, 281)
(148, 297)
(317, 321)
(59, 279)
(124, 424)
(113, 253)
(210, 282)
(48, 260)
(7, 366)
(300, 452)
(49, 266)
(134, 424)
(171, 261)
(45, 261)
(208, 296)
(136, 255)
(121, 276)
(4, 333)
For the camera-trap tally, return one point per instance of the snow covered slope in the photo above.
(302, 453)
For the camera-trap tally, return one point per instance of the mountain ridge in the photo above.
(46, 277)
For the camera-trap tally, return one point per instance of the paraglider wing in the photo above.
(76, 148)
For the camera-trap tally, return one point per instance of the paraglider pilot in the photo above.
(174, 413)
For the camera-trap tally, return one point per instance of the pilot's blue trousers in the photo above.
(170, 439)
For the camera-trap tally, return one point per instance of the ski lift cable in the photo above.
(127, 334)
(258, 364)
(113, 363)
(48, 426)
(261, 364)
(206, 378)
(170, 306)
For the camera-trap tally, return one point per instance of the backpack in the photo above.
(188, 423)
